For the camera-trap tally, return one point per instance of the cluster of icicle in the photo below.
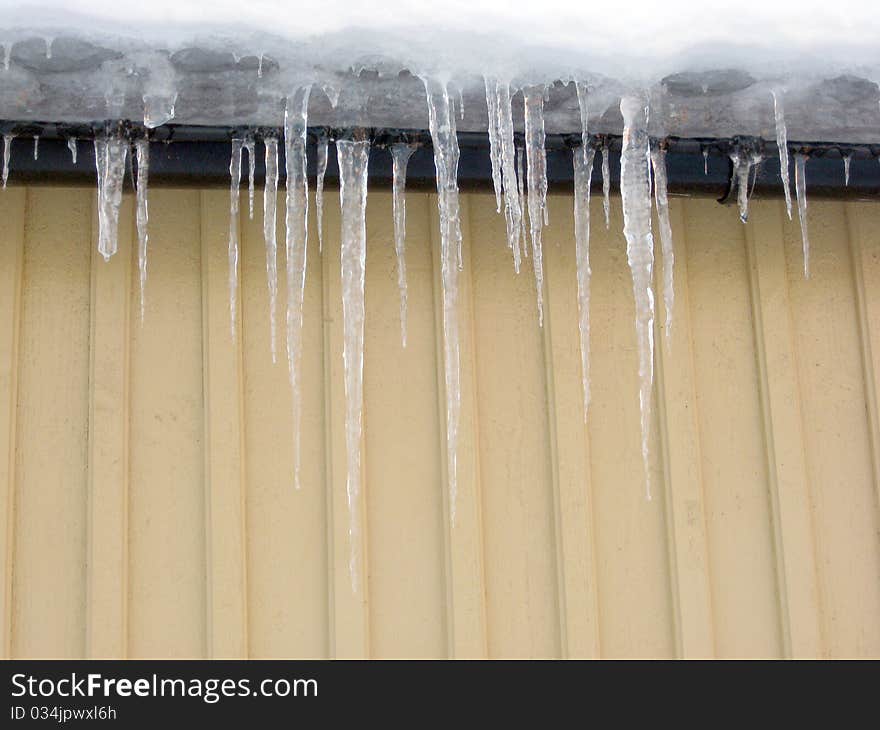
(524, 202)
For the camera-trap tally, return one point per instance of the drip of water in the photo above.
(142, 152)
(400, 154)
(71, 145)
(250, 146)
(7, 149)
(319, 189)
(537, 184)
(296, 243)
(353, 157)
(800, 186)
(582, 158)
(606, 186)
(782, 144)
(232, 250)
(636, 194)
(441, 119)
(111, 152)
(270, 202)
(512, 183)
(658, 166)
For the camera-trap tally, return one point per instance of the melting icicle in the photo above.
(250, 146)
(537, 184)
(800, 186)
(110, 155)
(36, 147)
(583, 108)
(7, 149)
(158, 109)
(521, 194)
(296, 242)
(142, 150)
(511, 182)
(71, 145)
(353, 157)
(743, 160)
(583, 171)
(400, 154)
(658, 166)
(636, 194)
(494, 141)
(319, 190)
(782, 144)
(606, 186)
(705, 160)
(847, 161)
(446, 153)
(232, 251)
(270, 201)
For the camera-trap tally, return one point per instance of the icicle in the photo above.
(400, 154)
(260, 67)
(319, 190)
(606, 186)
(353, 157)
(782, 144)
(71, 145)
(705, 160)
(36, 147)
(142, 150)
(494, 141)
(7, 55)
(511, 182)
(7, 149)
(536, 156)
(658, 166)
(743, 160)
(521, 194)
(847, 161)
(446, 153)
(583, 108)
(49, 41)
(250, 146)
(583, 172)
(296, 242)
(232, 252)
(270, 201)
(461, 103)
(158, 109)
(800, 186)
(636, 194)
(110, 156)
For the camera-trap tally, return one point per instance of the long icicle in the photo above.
(321, 166)
(494, 139)
(7, 149)
(270, 204)
(582, 158)
(782, 144)
(800, 186)
(353, 157)
(521, 194)
(142, 151)
(232, 247)
(400, 154)
(606, 185)
(636, 194)
(513, 209)
(250, 145)
(536, 156)
(296, 242)
(658, 166)
(441, 117)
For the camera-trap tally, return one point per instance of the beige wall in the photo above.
(146, 501)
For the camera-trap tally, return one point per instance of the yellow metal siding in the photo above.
(147, 505)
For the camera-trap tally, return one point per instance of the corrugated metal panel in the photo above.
(147, 496)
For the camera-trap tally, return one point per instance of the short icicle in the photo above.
(658, 166)
(636, 194)
(142, 154)
(321, 166)
(270, 203)
(71, 145)
(353, 157)
(782, 144)
(7, 149)
(536, 156)
(36, 147)
(400, 154)
(583, 170)
(800, 186)
(441, 117)
(296, 243)
(111, 152)
(232, 246)
(743, 162)
(606, 185)
(250, 146)
(847, 162)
